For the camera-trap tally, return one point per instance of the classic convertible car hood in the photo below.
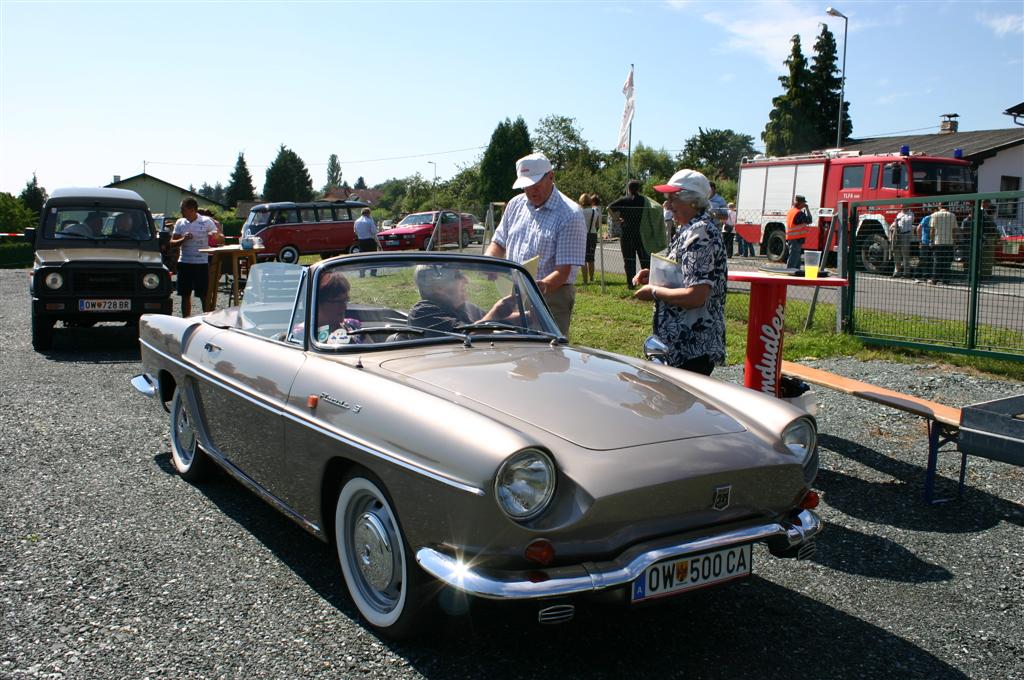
(599, 403)
(81, 254)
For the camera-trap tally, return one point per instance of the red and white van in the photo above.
(291, 230)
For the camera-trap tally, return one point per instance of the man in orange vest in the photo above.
(798, 228)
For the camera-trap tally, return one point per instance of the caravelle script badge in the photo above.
(355, 408)
(721, 498)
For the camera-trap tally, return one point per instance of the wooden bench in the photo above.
(943, 421)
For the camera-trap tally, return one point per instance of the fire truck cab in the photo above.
(767, 186)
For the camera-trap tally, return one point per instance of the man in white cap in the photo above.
(543, 222)
(690, 318)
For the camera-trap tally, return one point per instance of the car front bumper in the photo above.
(591, 577)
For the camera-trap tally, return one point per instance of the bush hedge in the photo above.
(15, 255)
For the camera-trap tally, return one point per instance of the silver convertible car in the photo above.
(422, 413)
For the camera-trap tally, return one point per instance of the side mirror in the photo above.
(30, 235)
(655, 349)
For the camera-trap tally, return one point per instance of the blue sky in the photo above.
(91, 90)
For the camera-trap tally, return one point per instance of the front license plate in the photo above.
(1011, 248)
(104, 305)
(693, 572)
(391, 243)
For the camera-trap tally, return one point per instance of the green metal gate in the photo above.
(962, 292)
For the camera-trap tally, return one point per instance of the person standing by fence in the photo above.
(592, 218)
(798, 228)
(943, 225)
(899, 236)
(630, 208)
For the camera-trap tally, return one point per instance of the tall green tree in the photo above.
(791, 124)
(240, 186)
(287, 178)
(648, 162)
(510, 141)
(360, 183)
(825, 87)
(14, 215)
(333, 173)
(33, 195)
(206, 191)
(560, 139)
(716, 153)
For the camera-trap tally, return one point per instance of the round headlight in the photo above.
(151, 281)
(800, 437)
(54, 280)
(525, 484)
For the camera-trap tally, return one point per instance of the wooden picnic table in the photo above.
(223, 260)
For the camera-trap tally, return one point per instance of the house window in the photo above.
(1010, 209)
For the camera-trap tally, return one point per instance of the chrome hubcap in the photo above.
(373, 551)
(185, 434)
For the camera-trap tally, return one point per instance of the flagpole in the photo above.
(629, 138)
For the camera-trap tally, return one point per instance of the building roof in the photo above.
(370, 196)
(977, 145)
(144, 175)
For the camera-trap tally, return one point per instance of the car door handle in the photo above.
(210, 347)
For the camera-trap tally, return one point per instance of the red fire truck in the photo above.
(767, 186)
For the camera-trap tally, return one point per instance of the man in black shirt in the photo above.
(444, 305)
(630, 207)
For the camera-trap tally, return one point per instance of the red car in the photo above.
(291, 230)
(1010, 247)
(417, 229)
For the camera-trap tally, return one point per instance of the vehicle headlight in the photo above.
(54, 280)
(151, 281)
(525, 484)
(800, 437)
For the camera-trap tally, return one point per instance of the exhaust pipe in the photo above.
(558, 613)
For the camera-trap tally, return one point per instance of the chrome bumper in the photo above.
(593, 576)
(145, 384)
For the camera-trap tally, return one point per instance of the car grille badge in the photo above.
(720, 501)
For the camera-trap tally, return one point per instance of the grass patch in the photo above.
(614, 321)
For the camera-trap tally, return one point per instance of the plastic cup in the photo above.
(812, 260)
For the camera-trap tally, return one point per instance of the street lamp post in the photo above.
(435, 170)
(832, 11)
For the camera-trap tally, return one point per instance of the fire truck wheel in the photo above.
(874, 254)
(775, 245)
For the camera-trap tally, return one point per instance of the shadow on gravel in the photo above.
(100, 344)
(900, 503)
(754, 629)
(852, 552)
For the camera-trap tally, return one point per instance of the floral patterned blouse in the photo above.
(691, 333)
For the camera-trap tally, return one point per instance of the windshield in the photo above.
(419, 218)
(255, 222)
(98, 224)
(399, 300)
(936, 179)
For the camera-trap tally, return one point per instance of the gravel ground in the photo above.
(113, 567)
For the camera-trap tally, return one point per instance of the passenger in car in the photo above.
(445, 306)
(332, 323)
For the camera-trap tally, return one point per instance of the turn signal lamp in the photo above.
(312, 400)
(540, 551)
(810, 500)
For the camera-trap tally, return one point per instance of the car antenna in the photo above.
(359, 361)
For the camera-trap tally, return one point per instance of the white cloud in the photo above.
(1006, 24)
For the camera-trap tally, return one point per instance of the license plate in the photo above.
(391, 243)
(1011, 248)
(104, 305)
(690, 573)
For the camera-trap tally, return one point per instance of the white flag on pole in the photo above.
(627, 114)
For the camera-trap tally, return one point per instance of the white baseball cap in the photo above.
(531, 169)
(688, 180)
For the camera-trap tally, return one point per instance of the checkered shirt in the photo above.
(555, 232)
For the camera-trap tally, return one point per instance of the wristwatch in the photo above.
(654, 293)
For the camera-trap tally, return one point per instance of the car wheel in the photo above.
(42, 333)
(354, 249)
(288, 254)
(775, 245)
(386, 585)
(188, 459)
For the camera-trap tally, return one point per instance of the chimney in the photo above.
(949, 123)
(117, 178)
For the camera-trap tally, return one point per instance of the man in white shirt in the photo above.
(366, 236)
(191, 233)
(543, 222)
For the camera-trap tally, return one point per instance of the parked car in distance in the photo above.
(415, 231)
(291, 230)
(97, 258)
(1010, 246)
(432, 424)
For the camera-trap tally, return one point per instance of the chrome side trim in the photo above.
(145, 384)
(338, 435)
(594, 576)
